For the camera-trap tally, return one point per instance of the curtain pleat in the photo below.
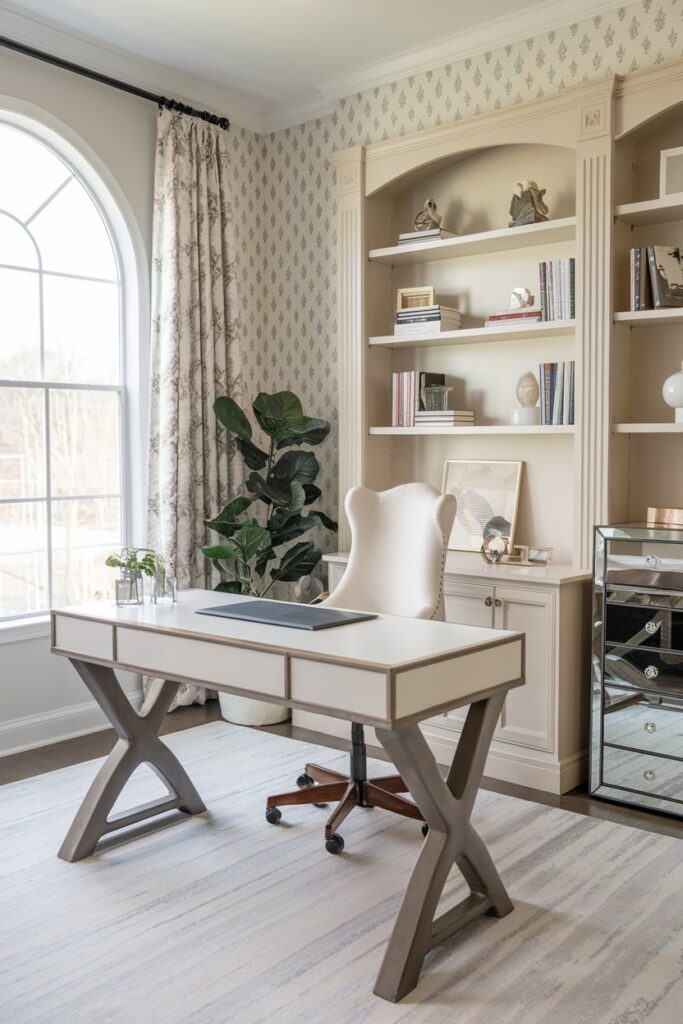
(195, 350)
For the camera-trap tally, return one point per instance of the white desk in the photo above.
(387, 672)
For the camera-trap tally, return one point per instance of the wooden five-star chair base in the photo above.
(320, 786)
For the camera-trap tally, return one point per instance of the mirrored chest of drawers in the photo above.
(637, 672)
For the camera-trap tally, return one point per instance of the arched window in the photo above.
(62, 505)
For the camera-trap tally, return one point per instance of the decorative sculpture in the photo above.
(527, 206)
(527, 391)
(521, 298)
(428, 217)
(672, 393)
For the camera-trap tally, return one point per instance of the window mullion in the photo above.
(48, 491)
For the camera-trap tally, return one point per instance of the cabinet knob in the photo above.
(651, 671)
(652, 561)
(498, 603)
(649, 775)
(652, 626)
(488, 601)
(650, 727)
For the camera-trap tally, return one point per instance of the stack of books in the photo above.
(656, 277)
(528, 315)
(426, 320)
(557, 392)
(448, 418)
(557, 278)
(428, 235)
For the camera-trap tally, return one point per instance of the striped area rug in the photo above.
(224, 919)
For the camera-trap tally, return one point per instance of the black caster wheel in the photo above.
(320, 805)
(425, 829)
(273, 815)
(304, 781)
(335, 844)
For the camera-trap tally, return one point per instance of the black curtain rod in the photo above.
(67, 65)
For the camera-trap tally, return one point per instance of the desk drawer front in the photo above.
(202, 661)
(352, 690)
(80, 636)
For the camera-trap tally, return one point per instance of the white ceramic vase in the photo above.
(672, 393)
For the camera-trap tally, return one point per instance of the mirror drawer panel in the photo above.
(201, 661)
(644, 669)
(637, 724)
(649, 773)
(641, 626)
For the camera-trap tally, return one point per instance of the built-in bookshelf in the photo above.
(538, 331)
(487, 430)
(648, 428)
(649, 317)
(478, 243)
(651, 211)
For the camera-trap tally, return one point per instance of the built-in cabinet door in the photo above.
(470, 604)
(527, 717)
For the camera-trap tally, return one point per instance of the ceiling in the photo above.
(272, 63)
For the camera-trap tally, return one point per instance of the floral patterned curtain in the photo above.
(195, 354)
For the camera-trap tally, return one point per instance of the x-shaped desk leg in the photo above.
(446, 806)
(138, 743)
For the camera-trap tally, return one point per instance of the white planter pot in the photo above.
(244, 711)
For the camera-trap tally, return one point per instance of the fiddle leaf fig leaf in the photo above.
(282, 418)
(328, 523)
(298, 496)
(300, 560)
(220, 552)
(312, 493)
(265, 556)
(296, 465)
(253, 456)
(249, 540)
(293, 527)
(231, 416)
(272, 492)
(229, 587)
(226, 522)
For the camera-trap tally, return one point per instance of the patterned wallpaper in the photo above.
(287, 215)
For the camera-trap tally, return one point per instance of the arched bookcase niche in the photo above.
(470, 169)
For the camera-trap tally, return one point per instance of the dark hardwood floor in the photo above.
(15, 767)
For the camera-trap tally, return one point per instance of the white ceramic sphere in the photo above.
(672, 390)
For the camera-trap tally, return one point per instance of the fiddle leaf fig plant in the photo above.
(257, 528)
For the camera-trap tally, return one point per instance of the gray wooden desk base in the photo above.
(138, 743)
(446, 806)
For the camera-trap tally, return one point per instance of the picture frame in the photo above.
(670, 171)
(414, 298)
(487, 493)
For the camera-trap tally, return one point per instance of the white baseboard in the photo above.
(52, 726)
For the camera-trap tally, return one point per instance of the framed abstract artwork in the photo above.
(487, 494)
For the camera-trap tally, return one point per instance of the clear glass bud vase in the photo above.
(129, 588)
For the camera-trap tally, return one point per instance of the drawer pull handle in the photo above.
(651, 671)
(652, 561)
(652, 626)
(649, 775)
(650, 727)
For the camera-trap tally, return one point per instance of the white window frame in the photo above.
(133, 266)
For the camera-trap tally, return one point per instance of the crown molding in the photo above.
(511, 28)
(241, 110)
(291, 115)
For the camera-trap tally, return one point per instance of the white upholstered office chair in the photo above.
(399, 540)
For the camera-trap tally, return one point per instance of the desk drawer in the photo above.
(80, 636)
(201, 661)
(648, 773)
(351, 690)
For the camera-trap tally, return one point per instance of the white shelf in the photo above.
(472, 335)
(653, 211)
(647, 428)
(504, 428)
(650, 317)
(500, 240)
